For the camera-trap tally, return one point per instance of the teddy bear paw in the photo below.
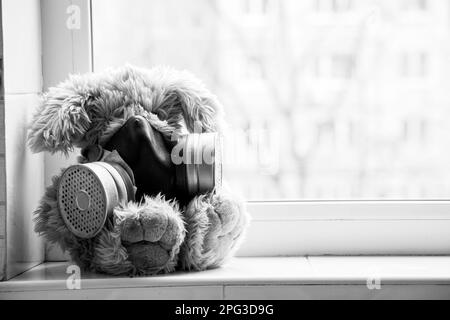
(152, 233)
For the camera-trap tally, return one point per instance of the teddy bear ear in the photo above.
(60, 120)
(186, 102)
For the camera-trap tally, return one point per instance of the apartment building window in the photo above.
(334, 6)
(342, 66)
(416, 131)
(334, 66)
(254, 68)
(415, 5)
(256, 7)
(414, 64)
(326, 133)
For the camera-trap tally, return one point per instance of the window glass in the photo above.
(326, 99)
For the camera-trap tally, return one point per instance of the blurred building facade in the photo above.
(328, 99)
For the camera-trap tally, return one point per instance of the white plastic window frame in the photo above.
(278, 228)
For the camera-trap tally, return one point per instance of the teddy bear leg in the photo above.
(152, 232)
(215, 225)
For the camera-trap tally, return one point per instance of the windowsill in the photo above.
(254, 278)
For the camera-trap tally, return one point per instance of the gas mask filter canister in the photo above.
(88, 193)
(198, 160)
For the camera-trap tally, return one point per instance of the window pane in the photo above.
(327, 99)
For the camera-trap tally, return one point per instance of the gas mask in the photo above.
(137, 161)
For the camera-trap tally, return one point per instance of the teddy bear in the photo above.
(158, 232)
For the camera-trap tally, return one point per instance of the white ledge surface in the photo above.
(270, 277)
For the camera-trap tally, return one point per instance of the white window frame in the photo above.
(348, 228)
(280, 228)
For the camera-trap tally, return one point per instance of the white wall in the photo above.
(24, 170)
(2, 167)
(64, 51)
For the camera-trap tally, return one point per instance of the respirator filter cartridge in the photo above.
(200, 170)
(88, 193)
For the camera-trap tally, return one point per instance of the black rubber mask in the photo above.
(147, 153)
(179, 169)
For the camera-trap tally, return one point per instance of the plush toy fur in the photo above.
(155, 235)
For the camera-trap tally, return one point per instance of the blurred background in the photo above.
(328, 99)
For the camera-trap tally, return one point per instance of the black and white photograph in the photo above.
(224, 156)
